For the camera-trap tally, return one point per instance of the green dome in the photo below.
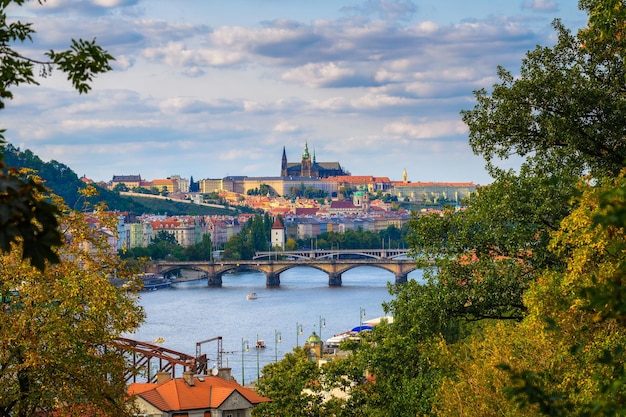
(314, 339)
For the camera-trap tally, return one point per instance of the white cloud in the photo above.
(541, 5)
(427, 129)
(286, 127)
(374, 101)
(319, 74)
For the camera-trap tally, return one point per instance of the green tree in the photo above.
(165, 236)
(285, 382)
(566, 109)
(201, 251)
(576, 326)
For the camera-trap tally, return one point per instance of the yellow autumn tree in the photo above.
(57, 325)
(566, 357)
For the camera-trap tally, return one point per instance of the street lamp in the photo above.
(245, 347)
(299, 331)
(258, 373)
(361, 317)
(322, 324)
(278, 338)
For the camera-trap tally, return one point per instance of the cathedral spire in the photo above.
(314, 155)
(283, 166)
(305, 154)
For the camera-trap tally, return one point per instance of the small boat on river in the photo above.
(251, 296)
(152, 282)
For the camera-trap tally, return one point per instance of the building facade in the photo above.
(309, 167)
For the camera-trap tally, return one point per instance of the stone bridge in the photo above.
(334, 254)
(273, 268)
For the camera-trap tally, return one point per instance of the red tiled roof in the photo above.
(206, 393)
(306, 211)
(277, 224)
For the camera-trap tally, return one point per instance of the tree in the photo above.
(165, 236)
(567, 108)
(576, 325)
(284, 382)
(58, 325)
(27, 217)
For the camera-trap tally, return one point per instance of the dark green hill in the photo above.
(64, 182)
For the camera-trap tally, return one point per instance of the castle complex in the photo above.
(328, 177)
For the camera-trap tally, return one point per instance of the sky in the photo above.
(208, 89)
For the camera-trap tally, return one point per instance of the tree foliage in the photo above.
(254, 236)
(566, 109)
(58, 325)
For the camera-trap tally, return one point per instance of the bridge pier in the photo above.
(401, 278)
(272, 279)
(214, 280)
(334, 279)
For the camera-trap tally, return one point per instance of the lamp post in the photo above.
(299, 331)
(245, 347)
(258, 374)
(322, 324)
(278, 338)
(361, 317)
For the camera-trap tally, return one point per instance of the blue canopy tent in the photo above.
(361, 328)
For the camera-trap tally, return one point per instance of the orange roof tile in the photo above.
(207, 392)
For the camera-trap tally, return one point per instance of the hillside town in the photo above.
(311, 197)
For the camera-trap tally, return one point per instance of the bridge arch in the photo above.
(273, 268)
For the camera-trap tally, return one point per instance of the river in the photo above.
(188, 312)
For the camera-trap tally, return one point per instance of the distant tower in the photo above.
(313, 347)
(283, 166)
(278, 234)
(361, 199)
(405, 176)
(306, 162)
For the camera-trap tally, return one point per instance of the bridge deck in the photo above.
(333, 254)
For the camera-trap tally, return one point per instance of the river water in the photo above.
(188, 312)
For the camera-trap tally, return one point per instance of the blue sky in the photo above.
(215, 88)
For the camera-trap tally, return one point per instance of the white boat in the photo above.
(338, 338)
(251, 296)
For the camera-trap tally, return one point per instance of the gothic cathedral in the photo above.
(309, 167)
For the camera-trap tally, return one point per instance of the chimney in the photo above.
(188, 376)
(225, 373)
(162, 377)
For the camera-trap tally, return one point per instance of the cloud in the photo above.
(540, 5)
(402, 10)
(192, 105)
(80, 7)
(286, 127)
(427, 129)
(319, 74)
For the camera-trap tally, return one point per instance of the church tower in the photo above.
(283, 166)
(405, 177)
(278, 234)
(306, 162)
